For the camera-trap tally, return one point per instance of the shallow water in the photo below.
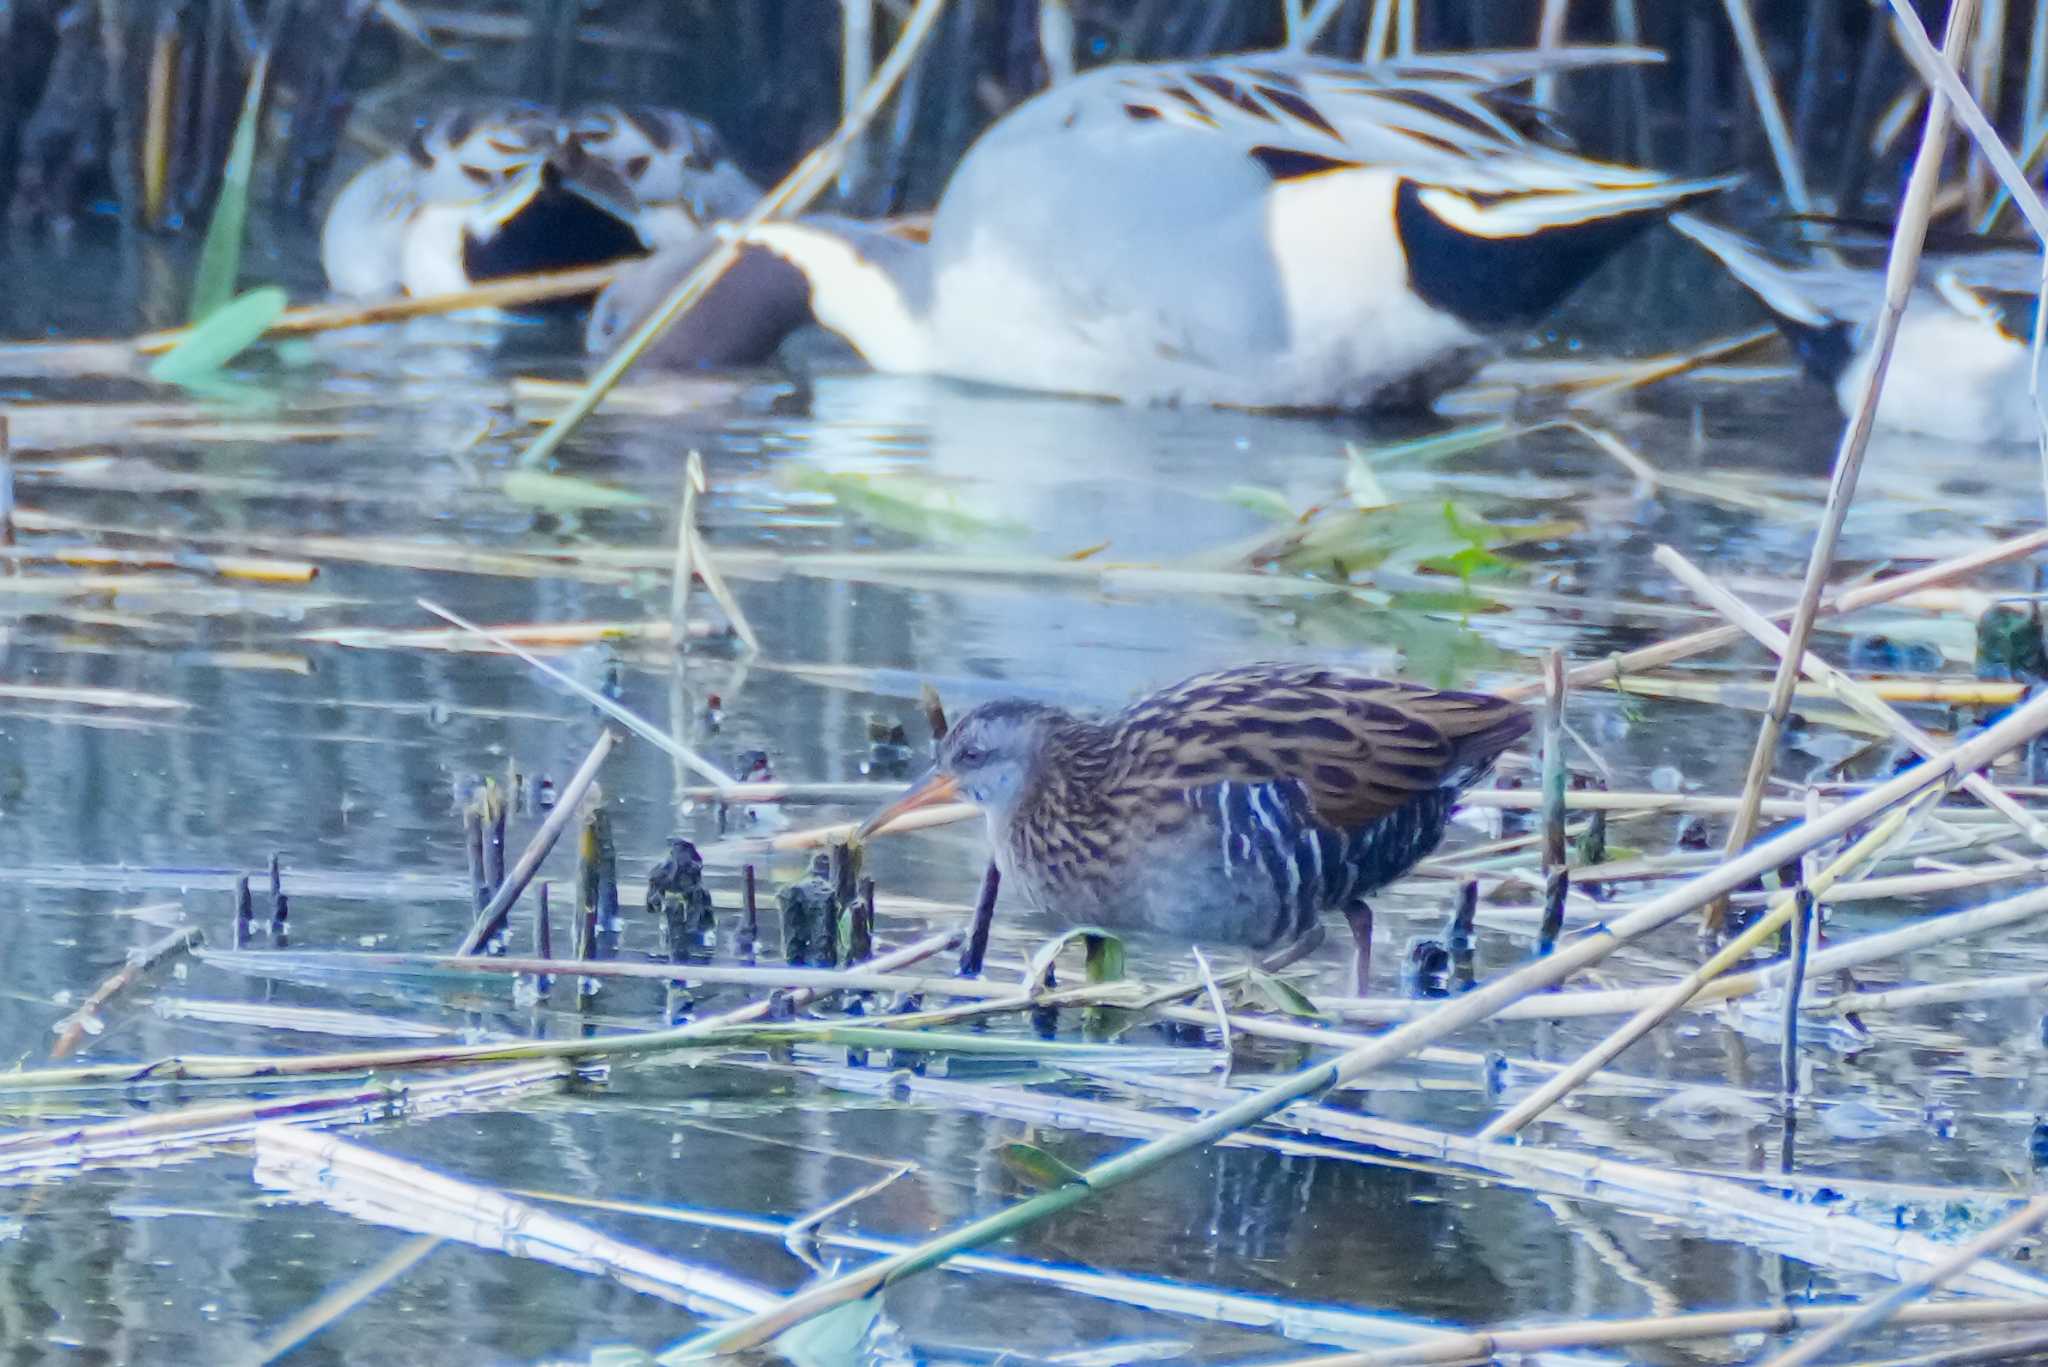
(344, 762)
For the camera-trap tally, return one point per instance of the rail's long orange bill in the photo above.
(932, 788)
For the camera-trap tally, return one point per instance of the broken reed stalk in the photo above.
(721, 592)
(975, 953)
(597, 881)
(1843, 687)
(1553, 785)
(712, 1028)
(392, 1191)
(795, 190)
(245, 912)
(1556, 870)
(1877, 1310)
(491, 919)
(473, 850)
(1455, 1014)
(6, 485)
(280, 905)
(494, 802)
(934, 711)
(1901, 273)
(140, 962)
(1795, 981)
(750, 917)
(684, 570)
(632, 721)
(1670, 1001)
(543, 929)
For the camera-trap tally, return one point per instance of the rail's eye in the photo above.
(480, 175)
(636, 167)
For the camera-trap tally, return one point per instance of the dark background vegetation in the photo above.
(79, 77)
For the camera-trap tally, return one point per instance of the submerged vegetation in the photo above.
(429, 778)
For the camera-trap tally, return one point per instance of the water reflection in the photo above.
(342, 761)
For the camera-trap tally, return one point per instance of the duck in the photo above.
(1962, 363)
(484, 191)
(1264, 231)
(747, 313)
(1231, 808)
(676, 166)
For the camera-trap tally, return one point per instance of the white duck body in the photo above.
(1266, 231)
(1962, 364)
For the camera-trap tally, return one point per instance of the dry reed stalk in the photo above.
(684, 569)
(1843, 687)
(1946, 692)
(200, 1129)
(1758, 72)
(1864, 949)
(795, 190)
(262, 571)
(1215, 1304)
(78, 695)
(1901, 273)
(332, 1305)
(627, 718)
(721, 593)
(506, 293)
(562, 636)
(1713, 638)
(1487, 1345)
(140, 962)
(497, 909)
(1454, 1014)
(1931, 994)
(1879, 1309)
(368, 1185)
(1589, 389)
(1823, 1235)
(1938, 69)
(1673, 999)
(307, 1065)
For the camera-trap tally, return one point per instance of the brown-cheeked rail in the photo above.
(1233, 808)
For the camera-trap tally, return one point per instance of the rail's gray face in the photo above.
(991, 756)
(993, 753)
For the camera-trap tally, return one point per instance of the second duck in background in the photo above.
(1962, 363)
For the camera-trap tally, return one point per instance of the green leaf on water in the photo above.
(220, 258)
(1454, 442)
(1261, 500)
(912, 504)
(837, 1338)
(567, 493)
(1361, 485)
(1283, 996)
(219, 337)
(1039, 1169)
